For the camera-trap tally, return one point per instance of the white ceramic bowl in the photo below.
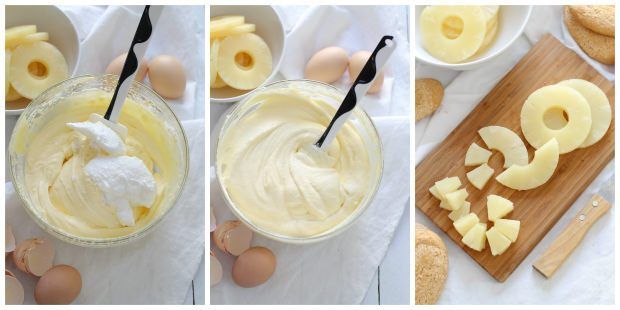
(268, 26)
(512, 21)
(52, 20)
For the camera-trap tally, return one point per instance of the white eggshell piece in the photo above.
(40, 258)
(14, 291)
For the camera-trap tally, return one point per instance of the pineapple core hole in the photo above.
(452, 27)
(555, 118)
(37, 70)
(244, 60)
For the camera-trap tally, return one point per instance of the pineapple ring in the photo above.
(437, 25)
(549, 99)
(26, 75)
(14, 35)
(241, 29)
(215, 47)
(244, 61)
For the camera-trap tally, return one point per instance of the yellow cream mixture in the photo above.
(56, 156)
(278, 179)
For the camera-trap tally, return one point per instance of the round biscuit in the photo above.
(598, 18)
(431, 266)
(428, 96)
(597, 46)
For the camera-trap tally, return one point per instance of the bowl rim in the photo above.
(74, 32)
(474, 63)
(334, 231)
(90, 242)
(275, 70)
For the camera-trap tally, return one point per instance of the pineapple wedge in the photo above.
(464, 224)
(460, 212)
(456, 199)
(498, 242)
(476, 238)
(447, 185)
(508, 228)
(476, 155)
(498, 207)
(480, 176)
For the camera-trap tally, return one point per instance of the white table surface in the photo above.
(196, 293)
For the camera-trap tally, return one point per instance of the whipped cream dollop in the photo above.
(125, 181)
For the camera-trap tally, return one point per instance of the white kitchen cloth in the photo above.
(588, 269)
(338, 270)
(353, 28)
(157, 269)
(106, 32)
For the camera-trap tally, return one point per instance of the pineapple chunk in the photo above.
(498, 207)
(547, 98)
(498, 242)
(506, 142)
(465, 223)
(460, 212)
(241, 29)
(22, 60)
(508, 228)
(476, 238)
(476, 155)
(222, 23)
(480, 176)
(456, 199)
(534, 174)
(435, 192)
(244, 61)
(14, 35)
(447, 185)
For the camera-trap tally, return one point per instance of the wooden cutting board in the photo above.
(548, 62)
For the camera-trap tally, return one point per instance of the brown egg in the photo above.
(254, 267)
(167, 76)
(116, 66)
(58, 286)
(327, 65)
(356, 64)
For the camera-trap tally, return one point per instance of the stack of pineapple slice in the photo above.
(32, 65)
(467, 224)
(239, 58)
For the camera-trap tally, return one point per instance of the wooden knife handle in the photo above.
(572, 235)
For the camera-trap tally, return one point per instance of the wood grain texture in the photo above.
(548, 62)
(568, 240)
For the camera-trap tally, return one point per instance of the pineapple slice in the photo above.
(446, 42)
(225, 22)
(465, 223)
(508, 228)
(447, 185)
(241, 29)
(215, 49)
(476, 155)
(14, 35)
(536, 173)
(456, 199)
(244, 61)
(480, 176)
(550, 98)
(506, 142)
(7, 64)
(498, 207)
(498, 242)
(26, 61)
(460, 212)
(12, 95)
(599, 106)
(476, 238)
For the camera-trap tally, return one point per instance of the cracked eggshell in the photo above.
(40, 258)
(216, 270)
(232, 237)
(58, 286)
(254, 267)
(20, 252)
(13, 290)
(9, 240)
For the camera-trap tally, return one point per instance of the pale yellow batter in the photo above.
(55, 160)
(279, 180)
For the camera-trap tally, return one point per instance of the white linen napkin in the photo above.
(338, 270)
(157, 269)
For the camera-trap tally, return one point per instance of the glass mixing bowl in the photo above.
(358, 118)
(52, 103)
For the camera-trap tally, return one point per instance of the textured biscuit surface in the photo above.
(431, 266)
(598, 18)
(428, 96)
(597, 46)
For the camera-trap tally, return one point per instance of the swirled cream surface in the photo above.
(88, 182)
(278, 179)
